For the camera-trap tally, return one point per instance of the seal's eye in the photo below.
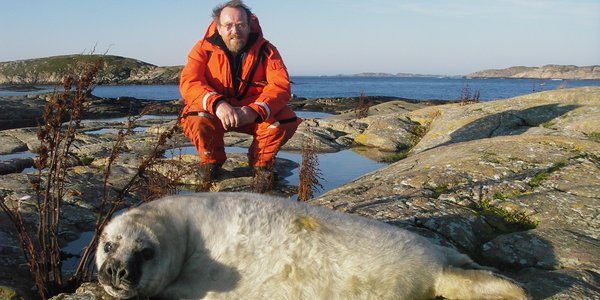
(108, 247)
(147, 253)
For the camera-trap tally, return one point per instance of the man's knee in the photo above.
(201, 124)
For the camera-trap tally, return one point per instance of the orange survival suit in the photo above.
(259, 81)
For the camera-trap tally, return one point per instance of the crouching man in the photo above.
(235, 80)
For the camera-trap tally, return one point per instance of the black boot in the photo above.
(206, 174)
(263, 179)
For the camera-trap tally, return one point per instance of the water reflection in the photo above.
(336, 168)
(114, 131)
(125, 119)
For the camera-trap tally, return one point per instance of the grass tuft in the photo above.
(395, 157)
(513, 220)
(595, 136)
(543, 175)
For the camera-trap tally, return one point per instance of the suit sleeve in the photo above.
(197, 94)
(276, 93)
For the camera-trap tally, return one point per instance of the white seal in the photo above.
(250, 246)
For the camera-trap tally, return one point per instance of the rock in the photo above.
(235, 175)
(87, 291)
(349, 105)
(323, 139)
(21, 111)
(9, 293)
(11, 144)
(387, 128)
(484, 175)
(15, 165)
(27, 136)
(389, 132)
(545, 72)
(560, 284)
(547, 249)
(567, 112)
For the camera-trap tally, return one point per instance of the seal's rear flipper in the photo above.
(455, 283)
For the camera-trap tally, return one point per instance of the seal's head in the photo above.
(127, 258)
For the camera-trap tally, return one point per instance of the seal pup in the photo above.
(251, 246)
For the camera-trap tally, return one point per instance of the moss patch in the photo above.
(541, 176)
(440, 190)
(392, 158)
(505, 220)
(86, 160)
(549, 124)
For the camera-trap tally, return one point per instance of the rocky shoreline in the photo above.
(515, 183)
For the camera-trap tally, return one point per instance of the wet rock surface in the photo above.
(515, 183)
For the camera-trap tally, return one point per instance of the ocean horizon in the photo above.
(312, 87)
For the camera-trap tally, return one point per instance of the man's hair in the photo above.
(233, 4)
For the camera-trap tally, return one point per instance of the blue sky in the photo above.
(321, 37)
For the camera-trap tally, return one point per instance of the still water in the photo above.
(421, 88)
(425, 88)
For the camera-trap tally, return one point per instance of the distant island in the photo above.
(545, 72)
(116, 70)
(119, 70)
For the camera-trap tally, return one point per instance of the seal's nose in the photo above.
(121, 273)
(116, 271)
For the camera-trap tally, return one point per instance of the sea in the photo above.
(312, 87)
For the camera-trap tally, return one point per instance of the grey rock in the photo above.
(560, 284)
(529, 156)
(11, 144)
(15, 165)
(548, 249)
(389, 132)
(567, 112)
(87, 291)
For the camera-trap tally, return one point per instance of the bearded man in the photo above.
(235, 80)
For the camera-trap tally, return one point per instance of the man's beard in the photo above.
(236, 46)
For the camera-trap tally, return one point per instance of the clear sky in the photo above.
(320, 37)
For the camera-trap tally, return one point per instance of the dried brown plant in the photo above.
(362, 107)
(310, 175)
(467, 98)
(56, 139)
(263, 179)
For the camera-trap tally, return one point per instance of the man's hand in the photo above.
(233, 117)
(247, 115)
(227, 114)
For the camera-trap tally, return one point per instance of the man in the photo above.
(235, 80)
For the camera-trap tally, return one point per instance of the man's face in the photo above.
(234, 28)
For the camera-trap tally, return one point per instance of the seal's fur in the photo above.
(250, 246)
